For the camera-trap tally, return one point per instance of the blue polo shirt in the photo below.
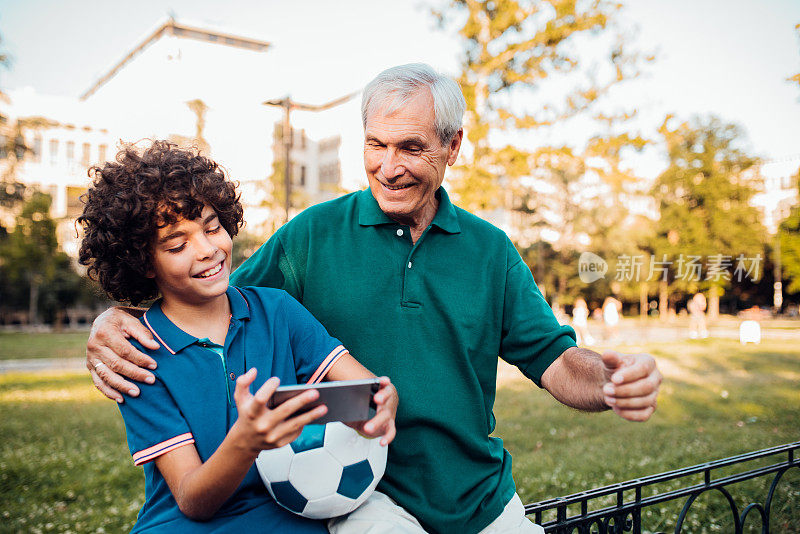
(191, 402)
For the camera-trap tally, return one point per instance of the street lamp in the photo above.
(288, 105)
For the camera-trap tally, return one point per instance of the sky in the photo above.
(729, 58)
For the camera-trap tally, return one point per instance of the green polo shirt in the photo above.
(433, 316)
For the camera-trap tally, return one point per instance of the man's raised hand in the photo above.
(632, 383)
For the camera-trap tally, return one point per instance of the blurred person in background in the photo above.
(697, 316)
(580, 316)
(611, 311)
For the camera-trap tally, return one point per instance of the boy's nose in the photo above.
(205, 248)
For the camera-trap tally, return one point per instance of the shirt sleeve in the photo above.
(269, 266)
(532, 337)
(153, 423)
(314, 350)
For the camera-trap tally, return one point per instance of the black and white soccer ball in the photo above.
(328, 471)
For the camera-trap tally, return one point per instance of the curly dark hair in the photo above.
(134, 196)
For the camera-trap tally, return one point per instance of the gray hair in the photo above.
(394, 87)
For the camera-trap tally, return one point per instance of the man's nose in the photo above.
(391, 166)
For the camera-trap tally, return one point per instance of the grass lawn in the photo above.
(65, 467)
(21, 346)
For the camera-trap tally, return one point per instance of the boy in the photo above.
(160, 223)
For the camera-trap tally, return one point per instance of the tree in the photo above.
(789, 236)
(704, 203)
(14, 147)
(29, 256)
(527, 50)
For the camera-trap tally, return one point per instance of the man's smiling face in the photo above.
(405, 160)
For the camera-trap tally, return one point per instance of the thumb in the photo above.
(611, 359)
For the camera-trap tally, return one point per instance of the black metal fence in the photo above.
(589, 512)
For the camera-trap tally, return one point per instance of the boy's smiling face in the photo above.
(192, 259)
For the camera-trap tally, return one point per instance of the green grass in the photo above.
(65, 467)
(21, 346)
(718, 399)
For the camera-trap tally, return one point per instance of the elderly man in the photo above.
(430, 295)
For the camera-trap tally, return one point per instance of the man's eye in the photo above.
(175, 250)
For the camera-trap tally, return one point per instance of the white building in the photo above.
(200, 86)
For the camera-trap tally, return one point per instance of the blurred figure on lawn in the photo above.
(580, 316)
(611, 310)
(697, 316)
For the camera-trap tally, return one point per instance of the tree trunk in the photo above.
(663, 300)
(643, 304)
(58, 326)
(713, 303)
(33, 303)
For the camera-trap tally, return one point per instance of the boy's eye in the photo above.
(175, 250)
(214, 229)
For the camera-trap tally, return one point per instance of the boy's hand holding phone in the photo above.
(386, 400)
(259, 427)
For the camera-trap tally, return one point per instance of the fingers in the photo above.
(109, 392)
(633, 391)
(383, 423)
(242, 390)
(389, 435)
(135, 329)
(109, 353)
(637, 416)
(633, 403)
(113, 381)
(639, 388)
(634, 367)
(287, 430)
(286, 409)
(385, 392)
(266, 390)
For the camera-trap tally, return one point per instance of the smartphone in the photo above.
(347, 400)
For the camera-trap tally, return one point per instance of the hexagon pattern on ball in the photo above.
(328, 471)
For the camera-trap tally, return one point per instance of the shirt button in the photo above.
(409, 265)
(233, 376)
(399, 232)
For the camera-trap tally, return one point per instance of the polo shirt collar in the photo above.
(173, 338)
(370, 214)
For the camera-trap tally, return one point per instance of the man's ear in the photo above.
(455, 146)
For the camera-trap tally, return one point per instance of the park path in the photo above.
(42, 364)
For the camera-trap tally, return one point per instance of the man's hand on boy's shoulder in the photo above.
(382, 425)
(110, 356)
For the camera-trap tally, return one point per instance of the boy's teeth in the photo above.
(210, 272)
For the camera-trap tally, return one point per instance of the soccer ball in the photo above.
(328, 471)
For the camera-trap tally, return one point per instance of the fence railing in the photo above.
(588, 512)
